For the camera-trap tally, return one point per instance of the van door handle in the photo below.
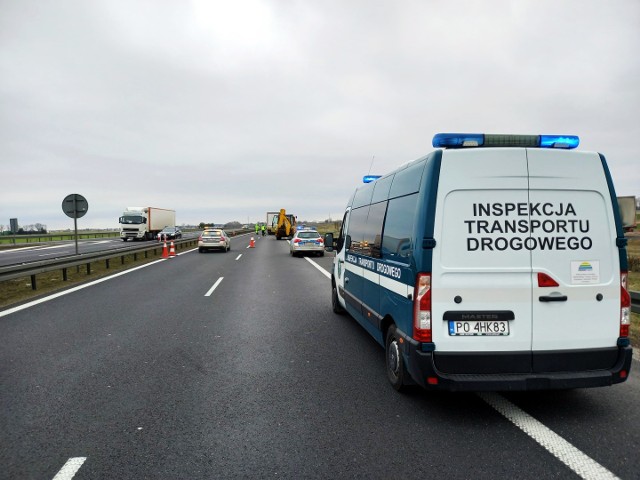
(553, 298)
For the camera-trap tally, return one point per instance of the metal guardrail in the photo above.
(33, 268)
(49, 237)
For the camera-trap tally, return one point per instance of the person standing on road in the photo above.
(257, 228)
(264, 230)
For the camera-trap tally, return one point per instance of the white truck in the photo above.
(627, 207)
(144, 223)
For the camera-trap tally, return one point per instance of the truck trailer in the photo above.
(144, 223)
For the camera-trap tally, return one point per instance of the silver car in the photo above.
(306, 240)
(214, 239)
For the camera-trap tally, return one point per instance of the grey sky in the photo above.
(223, 110)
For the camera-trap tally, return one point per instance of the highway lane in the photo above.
(146, 377)
(52, 250)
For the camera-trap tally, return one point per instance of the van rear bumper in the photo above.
(421, 366)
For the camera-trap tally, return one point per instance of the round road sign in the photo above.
(75, 205)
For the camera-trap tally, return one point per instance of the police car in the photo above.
(496, 262)
(306, 240)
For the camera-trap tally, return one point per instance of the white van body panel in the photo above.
(483, 280)
(482, 259)
(574, 183)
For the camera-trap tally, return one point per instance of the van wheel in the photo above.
(396, 370)
(335, 303)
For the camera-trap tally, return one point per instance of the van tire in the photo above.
(335, 303)
(396, 369)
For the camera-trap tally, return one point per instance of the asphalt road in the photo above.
(157, 374)
(67, 248)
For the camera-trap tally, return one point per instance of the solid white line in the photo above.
(238, 257)
(573, 458)
(18, 250)
(70, 468)
(75, 289)
(326, 274)
(215, 285)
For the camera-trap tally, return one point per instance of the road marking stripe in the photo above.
(215, 285)
(326, 274)
(238, 257)
(573, 458)
(70, 468)
(18, 249)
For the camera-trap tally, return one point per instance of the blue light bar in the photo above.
(370, 178)
(466, 140)
(559, 141)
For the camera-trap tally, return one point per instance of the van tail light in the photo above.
(625, 305)
(320, 240)
(422, 308)
(296, 240)
(545, 280)
(200, 238)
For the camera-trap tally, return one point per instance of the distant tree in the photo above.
(231, 225)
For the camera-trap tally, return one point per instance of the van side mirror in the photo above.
(328, 242)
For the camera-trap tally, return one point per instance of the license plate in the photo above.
(479, 327)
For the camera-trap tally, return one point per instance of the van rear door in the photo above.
(480, 268)
(573, 226)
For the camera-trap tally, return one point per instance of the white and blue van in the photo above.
(496, 262)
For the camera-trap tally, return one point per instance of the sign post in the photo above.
(75, 206)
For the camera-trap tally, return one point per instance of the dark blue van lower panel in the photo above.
(421, 365)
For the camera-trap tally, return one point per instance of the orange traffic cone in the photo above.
(172, 250)
(165, 254)
(252, 243)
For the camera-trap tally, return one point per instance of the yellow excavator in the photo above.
(285, 226)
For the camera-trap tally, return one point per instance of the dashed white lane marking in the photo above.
(573, 458)
(70, 468)
(215, 285)
(325, 273)
(238, 257)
